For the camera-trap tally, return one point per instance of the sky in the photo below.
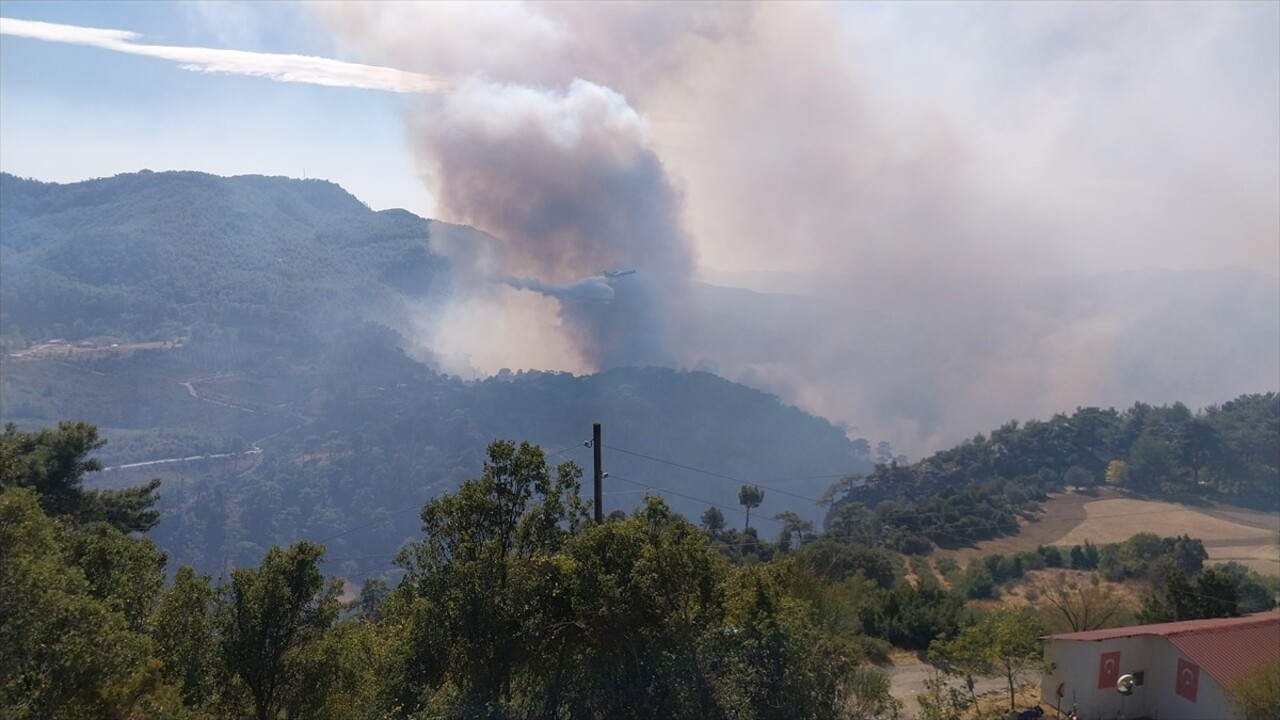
(1078, 137)
(69, 112)
(919, 164)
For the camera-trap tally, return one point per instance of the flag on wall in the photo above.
(1188, 683)
(1108, 669)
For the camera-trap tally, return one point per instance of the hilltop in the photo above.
(238, 338)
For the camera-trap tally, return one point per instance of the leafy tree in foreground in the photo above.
(1004, 643)
(53, 463)
(270, 614)
(483, 566)
(1212, 595)
(965, 656)
(64, 651)
(515, 605)
(1257, 694)
(939, 701)
(183, 631)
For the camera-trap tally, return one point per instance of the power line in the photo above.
(714, 474)
(672, 492)
(411, 508)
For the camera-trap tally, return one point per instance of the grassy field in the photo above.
(1228, 533)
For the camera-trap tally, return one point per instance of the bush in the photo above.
(1052, 556)
(1258, 693)
(977, 582)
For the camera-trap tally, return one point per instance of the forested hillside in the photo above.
(508, 601)
(246, 325)
(278, 403)
(977, 490)
(358, 472)
(155, 256)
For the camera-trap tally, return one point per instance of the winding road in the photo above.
(254, 447)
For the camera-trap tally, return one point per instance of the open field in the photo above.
(1228, 533)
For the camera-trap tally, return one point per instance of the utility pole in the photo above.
(599, 473)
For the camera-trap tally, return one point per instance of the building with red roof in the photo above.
(1174, 671)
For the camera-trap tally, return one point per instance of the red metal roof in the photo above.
(1226, 648)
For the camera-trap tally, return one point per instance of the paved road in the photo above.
(126, 466)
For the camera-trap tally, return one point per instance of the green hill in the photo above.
(152, 256)
(272, 368)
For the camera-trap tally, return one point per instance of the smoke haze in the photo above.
(567, 185)
(928, 175)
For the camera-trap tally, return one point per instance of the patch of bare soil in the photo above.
(1228, 533)
(1062, 513)
(1244, 536)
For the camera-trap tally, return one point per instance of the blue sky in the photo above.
(69, 113)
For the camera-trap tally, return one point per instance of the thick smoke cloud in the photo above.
(930, 177)
(568, 187)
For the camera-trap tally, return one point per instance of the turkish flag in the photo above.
(1188, 683)
(1108, 669)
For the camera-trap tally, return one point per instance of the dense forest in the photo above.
(982, 487)
(156, 256)
(257, 327)
(273, 502)
(512, 603)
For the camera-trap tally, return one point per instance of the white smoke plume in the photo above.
(953, 206)
(923, 171)
(566, 183)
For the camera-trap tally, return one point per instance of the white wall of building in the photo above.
(1211, 700)
(1075, 668)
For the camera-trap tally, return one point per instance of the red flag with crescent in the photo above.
(1108, 669)
(1188, 684)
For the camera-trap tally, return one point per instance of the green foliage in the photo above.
(53, 463)
(978, 489)
(1003, 643)
(484, 558)
(1257, 694)
(1213, 594)
(713, 520)
(372, 460)
(750, 496)
(835, 561)
(867, 696)
(269, 617)
(940, 701)
(1254, 592)
(793, 526)
(1147, 556)
(513, 604)
(911, 617)
(182, 628)
(126, 574)
(978, 583)
(66, 650)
